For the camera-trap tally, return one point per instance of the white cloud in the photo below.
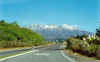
(50, 26)
(71, 27)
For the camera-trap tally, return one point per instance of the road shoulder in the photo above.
(79, 57)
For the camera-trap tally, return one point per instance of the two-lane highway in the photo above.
(47, 54)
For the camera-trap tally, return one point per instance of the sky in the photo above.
(84, 14)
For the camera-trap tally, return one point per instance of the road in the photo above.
(2, 53)
(47, 54)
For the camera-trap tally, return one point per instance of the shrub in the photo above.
(81, 36)
(86, 47)
(97, 40)
(90, 50)
(83, 44)
(98, 52)
(75, 44)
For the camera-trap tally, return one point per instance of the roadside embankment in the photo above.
(78, 57)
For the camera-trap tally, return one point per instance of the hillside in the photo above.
(12, 35)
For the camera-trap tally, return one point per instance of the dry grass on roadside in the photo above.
(78, 55)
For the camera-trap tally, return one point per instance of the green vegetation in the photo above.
(86, 45)
(12, 35)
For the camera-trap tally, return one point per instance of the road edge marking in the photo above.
(65, 56)
(18, 55)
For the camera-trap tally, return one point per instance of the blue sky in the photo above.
(81, 13)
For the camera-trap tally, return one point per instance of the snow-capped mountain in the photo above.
(54, 31)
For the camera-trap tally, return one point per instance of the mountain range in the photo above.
(55, 32)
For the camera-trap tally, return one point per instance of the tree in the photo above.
(2, 21)
(98, 32)
(81, 36)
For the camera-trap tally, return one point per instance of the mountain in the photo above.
(54, 31)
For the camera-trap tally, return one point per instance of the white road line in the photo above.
(72, 60)
(18, 55)
(42, 54)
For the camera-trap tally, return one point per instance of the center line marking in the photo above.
(42, 54)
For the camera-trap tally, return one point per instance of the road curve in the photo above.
(47, 54)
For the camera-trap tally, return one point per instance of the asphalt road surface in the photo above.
(2, 53)
(47, 54)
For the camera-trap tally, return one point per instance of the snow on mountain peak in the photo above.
(51, 26)
(68, 27)
(54, 31)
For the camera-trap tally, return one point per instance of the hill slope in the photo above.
(11, 35)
